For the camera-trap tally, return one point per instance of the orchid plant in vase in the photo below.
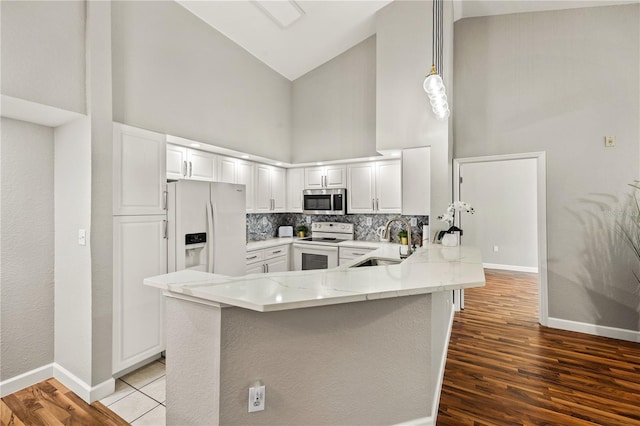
(449, 217)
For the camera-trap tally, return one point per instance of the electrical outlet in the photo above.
(369, 221)
(256, 398)
(308, 219)
(413, 221)
(609, 141)
(82, 237)
(495, 249)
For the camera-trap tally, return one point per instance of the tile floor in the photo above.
(140, 396)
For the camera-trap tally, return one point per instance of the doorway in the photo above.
(508, 193)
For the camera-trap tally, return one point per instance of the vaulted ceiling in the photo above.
(324, 29)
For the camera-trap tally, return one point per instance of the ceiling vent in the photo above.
(284, 12)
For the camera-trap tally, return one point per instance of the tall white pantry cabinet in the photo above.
(139, 244)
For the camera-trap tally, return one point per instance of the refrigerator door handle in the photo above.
(211, 224)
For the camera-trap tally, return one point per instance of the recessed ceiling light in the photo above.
(278, 164)
(245, 156)
(195, 145)
(283, 13)
(319, 163)
(372, 158)
(395, 154)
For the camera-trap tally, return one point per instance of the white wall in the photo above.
(27, 247)
(43, 52)
(504, 196)
(532, 82)
(73, 261)
(334, 108)
(174, 74)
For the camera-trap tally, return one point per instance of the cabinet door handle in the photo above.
(252, 257)
(266, 267)
(377, 204)
(164, 199)
(184, 168)
(357, 254)
(373, 204)
(190, 169)
(324, 181)
(165, 229)
(276, 252)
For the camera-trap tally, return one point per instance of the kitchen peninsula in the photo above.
(347, 345)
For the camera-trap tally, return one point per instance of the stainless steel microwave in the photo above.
(324, 201)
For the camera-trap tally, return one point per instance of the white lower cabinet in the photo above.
(139, 251)
(273, 259)
(347, 254)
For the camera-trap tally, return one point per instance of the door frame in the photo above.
(541, 172)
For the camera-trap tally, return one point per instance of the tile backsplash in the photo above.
(262, 226)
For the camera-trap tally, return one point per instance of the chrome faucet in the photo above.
(386, 234)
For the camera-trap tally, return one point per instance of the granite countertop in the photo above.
(430, 269)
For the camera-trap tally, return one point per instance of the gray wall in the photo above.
(334, 108)
(316, 370)
(559, 82)
(27, 261)
(43, 57)
(174, 74)
(72, 182)
(403, 114)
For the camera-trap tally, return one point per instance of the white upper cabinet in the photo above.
(227, 169)
(325, 177)
(234, 170)
(388, 186)
(176, 162)
(202, 165)
(295, 185)
(186, 163)
(245, 172)
(361, 186)
(139, 175)
(270, 189)
(374, 187)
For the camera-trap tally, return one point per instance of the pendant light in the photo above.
(433, 83)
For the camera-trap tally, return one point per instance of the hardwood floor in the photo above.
(503, 368)
(51, 403)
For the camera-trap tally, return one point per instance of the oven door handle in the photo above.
(315, 247)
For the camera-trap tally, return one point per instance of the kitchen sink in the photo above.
(376, 261)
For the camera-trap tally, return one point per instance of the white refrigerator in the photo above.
(207, 227)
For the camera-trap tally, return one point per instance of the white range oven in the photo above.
(320, 251)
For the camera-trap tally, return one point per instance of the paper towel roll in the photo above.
(425, 235)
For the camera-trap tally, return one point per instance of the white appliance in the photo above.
(207, 227)
(320, 251)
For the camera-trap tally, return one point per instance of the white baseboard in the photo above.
(533, 269)
(594, 329)
(25, 380)
(88, 393)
